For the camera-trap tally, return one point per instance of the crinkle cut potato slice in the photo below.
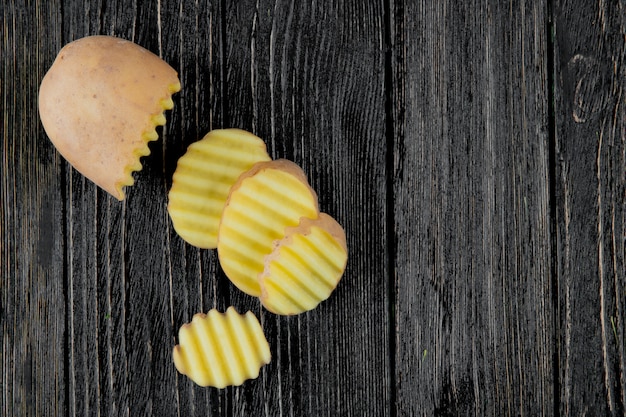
(221, 349)
(264, 201)
(305, 266)
(100, 104)
(203, 178)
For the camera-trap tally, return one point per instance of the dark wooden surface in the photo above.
(474, 152)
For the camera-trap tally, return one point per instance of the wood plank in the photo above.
(474, 293)
(192, 39)
(590, 143)
(132, 280)
(32, 304)
(98, 377)
(308, 78)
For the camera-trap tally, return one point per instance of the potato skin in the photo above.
(100, 103)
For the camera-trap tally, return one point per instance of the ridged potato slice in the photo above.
(305, 266)
(100, 104)
(264, 201)
(221, 349)
(203, 178)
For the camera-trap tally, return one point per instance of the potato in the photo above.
(202, 182)
(221, 349)
(262, 204)
(305, 266)
(100, 104)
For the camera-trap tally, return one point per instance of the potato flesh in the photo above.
(203, 179)
(221, 349)
(305, 267)
(259, 209)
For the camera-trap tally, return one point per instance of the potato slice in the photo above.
(305, 266)
(100, 104)
(203, 178)
(221, 349)
(264, 201)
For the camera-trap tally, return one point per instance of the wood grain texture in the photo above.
(472, 221)
(32, 302)
(590, 50)
(476, 160)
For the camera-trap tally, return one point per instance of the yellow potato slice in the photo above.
(264, 201)
(221, 349)
(203, 178)
(100, 104)
(305, 266)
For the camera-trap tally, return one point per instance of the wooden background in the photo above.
(474, 151)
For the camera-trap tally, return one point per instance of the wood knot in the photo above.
(588, 82)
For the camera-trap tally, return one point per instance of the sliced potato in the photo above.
(264, 201)
(203, 178)
(305, 266)
(221, 349)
